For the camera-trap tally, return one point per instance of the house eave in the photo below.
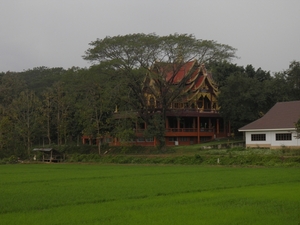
(273, 129)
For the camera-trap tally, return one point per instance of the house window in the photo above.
(284, 137)
(258, 137)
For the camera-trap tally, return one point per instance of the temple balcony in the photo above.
(183, 132)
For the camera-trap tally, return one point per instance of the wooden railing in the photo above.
(189, 130)
(195, 110)
(182, 130)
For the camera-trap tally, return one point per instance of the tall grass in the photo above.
(133, 194)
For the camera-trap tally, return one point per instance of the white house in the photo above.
(276, 129)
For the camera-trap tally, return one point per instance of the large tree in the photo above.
(61, 107)
(246, 95)
(95, 102)
(25, 115)
(135, 55)
(222, 70)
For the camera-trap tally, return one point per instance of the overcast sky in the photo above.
(56, 33)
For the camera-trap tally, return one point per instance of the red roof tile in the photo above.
(181, 73)
(194, 75)
(198, 83)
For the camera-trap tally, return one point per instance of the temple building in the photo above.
(192, 112)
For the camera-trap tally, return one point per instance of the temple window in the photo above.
(152, 102)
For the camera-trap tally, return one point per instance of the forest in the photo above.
(56, 106)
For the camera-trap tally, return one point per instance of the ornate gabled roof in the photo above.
(283, 115)
(194, 75)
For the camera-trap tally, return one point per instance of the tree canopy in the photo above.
(247, 94)
(143, 50)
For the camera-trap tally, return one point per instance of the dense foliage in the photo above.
(47, 106)
(247, 94)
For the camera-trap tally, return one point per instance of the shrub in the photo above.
(198, 159)
(10, 160)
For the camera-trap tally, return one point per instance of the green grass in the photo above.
(141, 194)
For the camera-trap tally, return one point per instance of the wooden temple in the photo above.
(192, 115)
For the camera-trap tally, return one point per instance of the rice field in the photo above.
(148, 194)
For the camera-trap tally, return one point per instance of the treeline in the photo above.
(44, 106)
(55, 106)
(246, 93)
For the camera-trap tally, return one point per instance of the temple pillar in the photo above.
(211, 104)
(167, 123)
(198, 129)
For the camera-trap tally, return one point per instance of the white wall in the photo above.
(271, 139)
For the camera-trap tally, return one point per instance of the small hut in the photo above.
(48, 155)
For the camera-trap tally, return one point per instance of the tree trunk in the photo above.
(99, 146)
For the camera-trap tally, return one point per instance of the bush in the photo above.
(239, 160)
(84, 158)
(10, 160)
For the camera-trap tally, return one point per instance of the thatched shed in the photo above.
(48, 155)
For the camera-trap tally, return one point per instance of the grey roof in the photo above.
(283, 115)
